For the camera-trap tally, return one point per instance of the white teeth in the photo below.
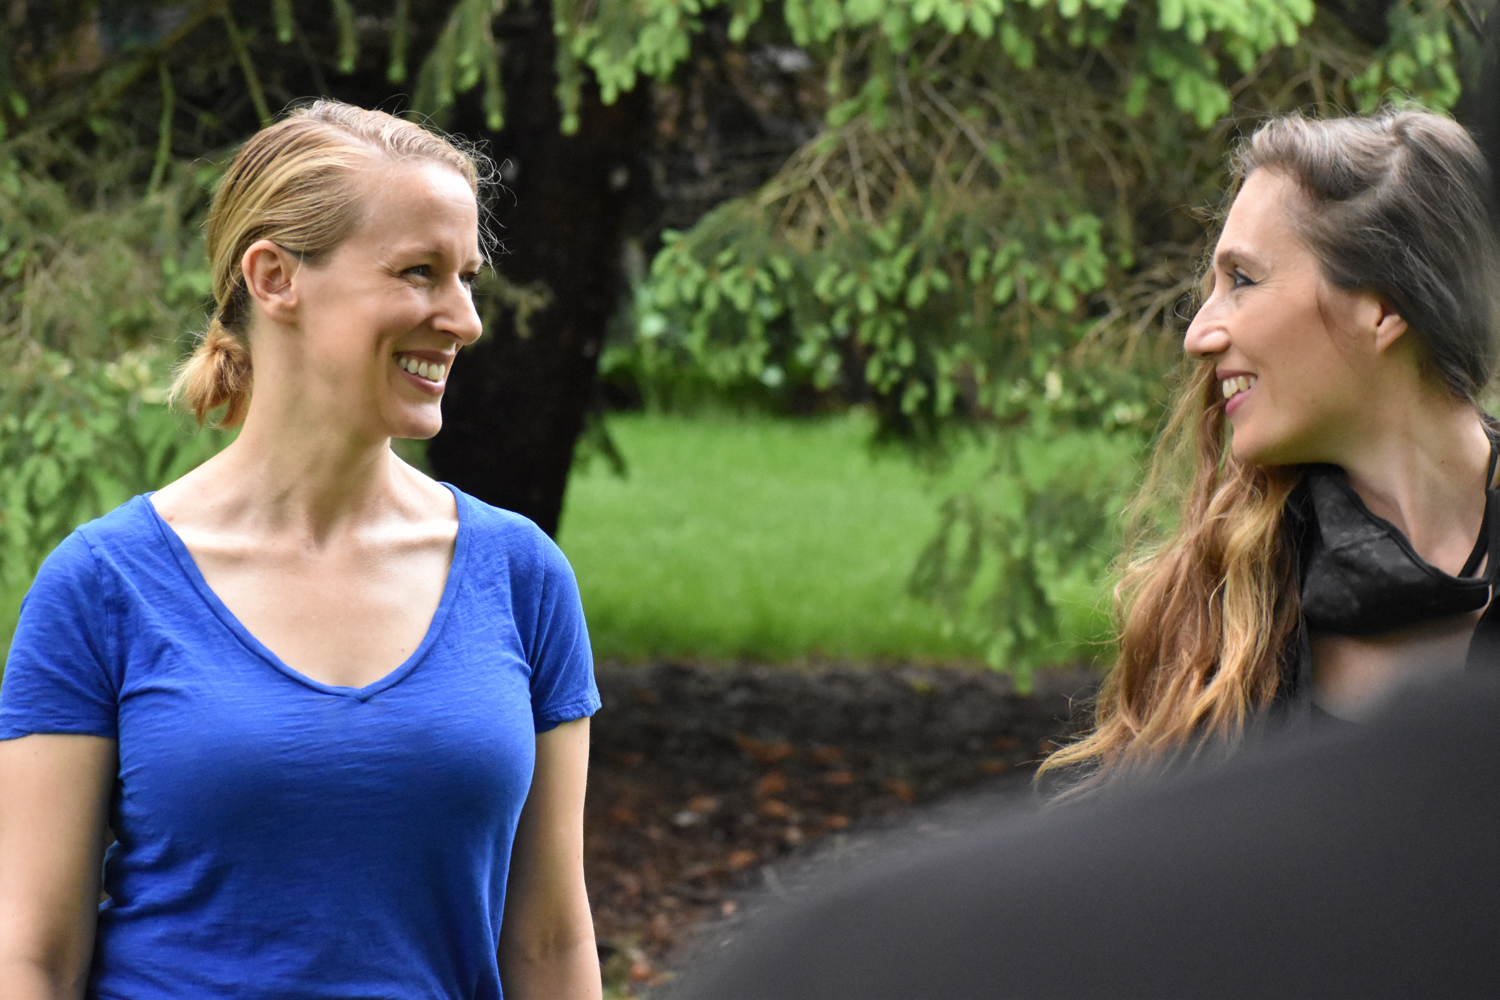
(1230, 386)
(431, 371)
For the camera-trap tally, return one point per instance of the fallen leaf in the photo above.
(772, 784)
(775, 809)
(765, 753)
(826, 755)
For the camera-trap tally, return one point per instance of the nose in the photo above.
(1206, 335)
(458, 317)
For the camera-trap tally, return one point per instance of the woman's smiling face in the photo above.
(384, 316)
(1294, 386)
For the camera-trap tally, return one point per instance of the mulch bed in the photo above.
(703, 778)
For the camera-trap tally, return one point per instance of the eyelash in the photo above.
(1240, 279)
(424, 271)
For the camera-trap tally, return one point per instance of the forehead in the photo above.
(1261, 217)
(418, 202)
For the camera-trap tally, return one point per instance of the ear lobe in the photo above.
(268, 271)
(1389, 325)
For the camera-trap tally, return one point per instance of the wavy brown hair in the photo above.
(1396, 203)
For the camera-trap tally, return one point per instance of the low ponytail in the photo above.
(216, 374)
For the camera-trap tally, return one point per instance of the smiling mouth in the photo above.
(1233, 386)
(431, 371)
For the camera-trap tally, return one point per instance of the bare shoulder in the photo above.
(189, 495)
(423, 505)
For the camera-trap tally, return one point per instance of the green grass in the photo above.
(756, 538)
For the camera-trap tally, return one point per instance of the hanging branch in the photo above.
(400, 35)
(252, 81)
(286, 27)
(163, 130)
(348, 35)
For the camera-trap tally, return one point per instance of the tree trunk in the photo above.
(517, 401)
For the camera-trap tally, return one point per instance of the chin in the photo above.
(419, 434)
(1248, 451)
(415, 426)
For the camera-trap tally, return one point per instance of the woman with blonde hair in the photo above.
(334, 713)
(1335, 537)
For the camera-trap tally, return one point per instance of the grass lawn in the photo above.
(756, 538)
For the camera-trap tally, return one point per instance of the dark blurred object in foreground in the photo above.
(1356, 861)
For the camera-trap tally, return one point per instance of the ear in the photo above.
(269, 271)
(1383, 321)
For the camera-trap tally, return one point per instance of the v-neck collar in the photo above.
(221, 611)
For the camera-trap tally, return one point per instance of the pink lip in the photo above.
(1233, 402)
(429, 387)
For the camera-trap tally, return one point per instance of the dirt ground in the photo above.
(706, 781)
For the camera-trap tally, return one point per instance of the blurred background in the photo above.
(819, 331)
(819, 328)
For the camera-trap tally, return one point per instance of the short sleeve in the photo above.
(562, 662)
(57, 677)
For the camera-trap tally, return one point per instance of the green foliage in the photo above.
(991, 228)
(76, 440)
(1417, 61)
(1020, 566)
(991, 198)
(95, 301)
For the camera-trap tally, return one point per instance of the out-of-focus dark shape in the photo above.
(1487, 103)
(1353, 861)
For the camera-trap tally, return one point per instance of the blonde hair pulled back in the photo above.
(1397, 203)
(295, 183)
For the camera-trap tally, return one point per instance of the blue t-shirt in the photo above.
(282, 838)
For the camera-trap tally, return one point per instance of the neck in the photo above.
(1423, 469)
(289, 479)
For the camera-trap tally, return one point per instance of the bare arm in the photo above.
(54, 802)
(547, 947)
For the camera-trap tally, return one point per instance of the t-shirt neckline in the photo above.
(190, 570)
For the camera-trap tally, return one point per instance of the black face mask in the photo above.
(1360, 575)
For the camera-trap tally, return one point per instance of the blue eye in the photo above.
(419, 271)
(1240, 279)
(469, 279)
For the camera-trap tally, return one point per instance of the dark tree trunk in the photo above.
(517, 400)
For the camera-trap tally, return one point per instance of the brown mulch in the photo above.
(703, 778)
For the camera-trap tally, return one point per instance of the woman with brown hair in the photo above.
(1337, 527)
(334, 713)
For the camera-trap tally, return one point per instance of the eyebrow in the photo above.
(474, 263)
(1225, 256)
